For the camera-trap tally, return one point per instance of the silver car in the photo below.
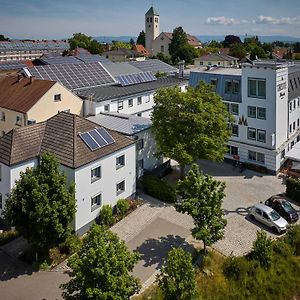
(269, 217)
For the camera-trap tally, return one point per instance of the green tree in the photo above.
(179, 40)
(237, 50)
(187, 53)
(3, 38)
(132, 42)
(164, 58)
(120, 45)
(141, 39)
(40, 206)
(231, 39)
(80, 40)
(191, 125)
(201, 197)
(101, 268)
(262, 249)
(257, 52)
(177, 279)
(214, 44)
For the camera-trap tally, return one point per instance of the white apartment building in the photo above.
(264, 98)
(102, 173)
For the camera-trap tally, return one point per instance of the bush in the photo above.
(159, 189)
(293, 188)
(293, 238)
(71, 245)
(106, 216)
(7, 236)
(235, 268)
(282, 248)
(122, 207)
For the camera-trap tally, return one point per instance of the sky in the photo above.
(55, 19)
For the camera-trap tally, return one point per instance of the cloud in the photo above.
(220, 21)
(277, 21)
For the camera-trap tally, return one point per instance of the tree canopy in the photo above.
(120, 45)
(177, 279)
(201, 197)
(231, 39)
(141, 39)
(237, 50)
(190, 125)
(80, 40)
(101, 268)
(3, 38)
(41, 206)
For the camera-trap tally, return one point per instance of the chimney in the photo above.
(181, 69)
(31, 79)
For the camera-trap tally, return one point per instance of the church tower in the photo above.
(151, 27)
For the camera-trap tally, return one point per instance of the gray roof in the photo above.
(152, 12)
(121, 68)
(217, 56)
(122, 123)
(103, 93)
(154, 66)
(11, 65)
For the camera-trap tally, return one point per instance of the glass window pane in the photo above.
(261, 84)
(252, 87)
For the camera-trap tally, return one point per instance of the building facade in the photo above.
(151, 28)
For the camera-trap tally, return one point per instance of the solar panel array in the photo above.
(153, 65)
(74, 76)
(30, 45)
(60, 60)
(130, 79)
(11, 65)
(97, 138)
(93, 58)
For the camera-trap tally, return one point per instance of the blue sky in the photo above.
(61, 18)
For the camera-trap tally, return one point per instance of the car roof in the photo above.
(263, 207)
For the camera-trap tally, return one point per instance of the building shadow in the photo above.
(155, 251)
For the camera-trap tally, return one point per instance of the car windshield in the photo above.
(274, 215)
(287, 206)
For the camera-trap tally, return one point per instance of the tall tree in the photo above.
(190, 125)
(231, 39)
(179, 40)
(132, 42)
(141, 40)
(177, 279)
(257, 52)
(41, 206)
(80, 40)
(237, 50)
(201, 197)
(101, 268)
(119, 44)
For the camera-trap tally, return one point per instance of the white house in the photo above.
(101, 162)
(264, 97)
(139, 129)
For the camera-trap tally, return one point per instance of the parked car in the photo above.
(268, 216)
(283, 207)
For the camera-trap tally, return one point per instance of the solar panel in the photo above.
(97, 138)
(11, 65)
(60, 60)
(74, 76)
(93, 58)
(153, 66)
(129, 79)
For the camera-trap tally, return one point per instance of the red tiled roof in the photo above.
(192, 40)
(21, 95)
(141, 49)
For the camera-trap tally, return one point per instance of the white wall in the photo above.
(110, 176)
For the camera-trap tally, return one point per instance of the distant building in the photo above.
(157, 42)
(216, 59)
(122, 55)
(22, 50)
(25, 101)
(141, 49)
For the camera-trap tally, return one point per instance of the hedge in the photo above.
(159, 189)
(293, 188)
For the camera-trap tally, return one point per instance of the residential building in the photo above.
(102, 172)
(264, 97)
(24, 101)
(29, 50)
(123, 54)
(157, 42)
(141, 49)
(216, 59)
(137, 128)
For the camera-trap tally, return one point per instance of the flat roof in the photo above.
(294, 153)
(219, 70)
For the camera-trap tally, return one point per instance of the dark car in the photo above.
(284, 208)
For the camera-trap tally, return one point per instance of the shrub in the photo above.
(159, 189)
(122, 207)
(71, 245)
(7, 236)
(106, 216)
(235, 268)
(293, 188)
(282, 248)
(293, 238)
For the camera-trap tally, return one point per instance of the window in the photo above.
(120, 187)
(261, 135)
(96, 174)
(2, 116)
(292, 144)
(255, 156)
(139, 100)
(130, 102)
(291, 106)
(235, 109)
(162, 48)
(96, 202)
(235, 87)
(228, 86)
(1, 204)
(283, 154)
(141, 164)
(290, 128)
(294, 103)
(298, 122)
(0, 173)
(252, 155)
(148, 98)
(235, 130)
(120, 161)
(57, 97)
(120, 105)
(251, 134)
(257, 88)
(251, 111)
(18, 120)
(106, 107)
(214, 82)
(294, 125)
(261, 113)
(260, 157)
(140, 144)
